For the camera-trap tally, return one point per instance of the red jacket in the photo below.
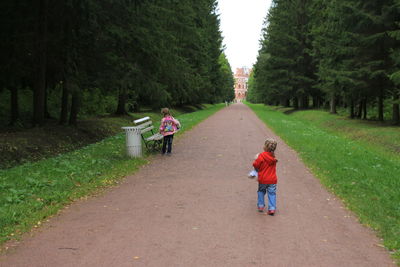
(266, 166)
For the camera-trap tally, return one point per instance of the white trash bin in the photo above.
(133, 141)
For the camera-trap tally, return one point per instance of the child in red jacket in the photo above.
(265, 164)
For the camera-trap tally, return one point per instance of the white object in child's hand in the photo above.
(253, 174)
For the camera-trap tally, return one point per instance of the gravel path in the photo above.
(198, 208)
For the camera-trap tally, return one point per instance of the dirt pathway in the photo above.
(198, 208)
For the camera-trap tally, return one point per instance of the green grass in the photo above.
(34, 191)
(359, 162)
(383, 137)
(19, 145)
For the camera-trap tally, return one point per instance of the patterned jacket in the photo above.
(169, 125)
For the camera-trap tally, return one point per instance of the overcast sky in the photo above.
(241, 24)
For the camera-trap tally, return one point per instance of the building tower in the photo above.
(241, 83)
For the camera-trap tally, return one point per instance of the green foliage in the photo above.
(97, 103)
(253, 95)
(395, 77)
(102, 56)
(284, 70)
(338, 52)
(227, 81)
(358, 162)
(332, 47)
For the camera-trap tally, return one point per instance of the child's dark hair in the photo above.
(165, 111)
(270, 145)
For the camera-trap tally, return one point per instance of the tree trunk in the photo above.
(136, 107)
(40, 84)
(64, 103)
(360, 108)
(320, 102)
(75, 105)
(364, 108)
(352, 108)
(380, 104)
(338, 102)
(121, 102)
(315, 102)
(287, 102)
(333, 104)
(295, 103)
(326, 104)
(396, 110)
(304, 102)
(46, 110)
(14, 105)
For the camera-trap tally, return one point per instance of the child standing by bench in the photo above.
(169, 126)
(265, 164)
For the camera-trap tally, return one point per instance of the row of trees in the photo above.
(335, 52)
(143, 52)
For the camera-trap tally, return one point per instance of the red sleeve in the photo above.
(257, 163)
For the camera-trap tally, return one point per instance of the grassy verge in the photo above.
(358, 162)
(19, 145)
(33, 191)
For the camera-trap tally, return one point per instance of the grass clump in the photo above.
(33, 191)
(355, 161)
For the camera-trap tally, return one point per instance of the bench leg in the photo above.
(159, 145)
(145, 143)
(156, 145)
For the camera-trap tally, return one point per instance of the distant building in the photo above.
(241, 83)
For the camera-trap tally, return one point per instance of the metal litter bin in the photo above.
(133, 141)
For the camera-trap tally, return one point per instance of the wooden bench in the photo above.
(153, 141)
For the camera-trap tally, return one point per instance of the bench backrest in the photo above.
(145, 124)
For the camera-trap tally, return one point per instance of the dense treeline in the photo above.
(82, 55)
(330, 53)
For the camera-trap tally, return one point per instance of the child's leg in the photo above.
(262, 188)
(164, 144)
(170, 138)
(271, 189)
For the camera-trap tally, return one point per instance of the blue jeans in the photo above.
(270, 189)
